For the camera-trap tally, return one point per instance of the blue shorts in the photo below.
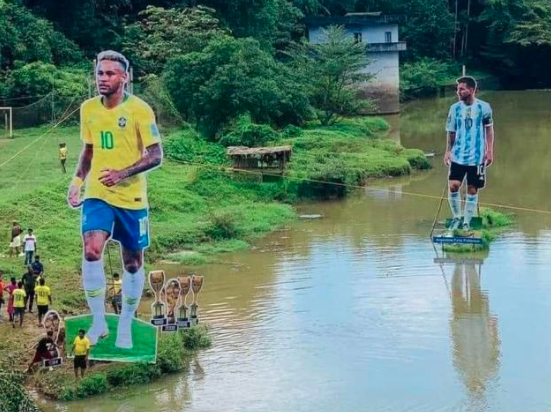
(129, 227)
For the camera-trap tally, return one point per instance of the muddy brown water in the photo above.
(351, 313)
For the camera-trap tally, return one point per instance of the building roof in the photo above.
(256, 151)
(355, 19)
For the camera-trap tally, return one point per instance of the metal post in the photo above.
(92, 80)
(53, 106)
(464, 70)
(131, 80)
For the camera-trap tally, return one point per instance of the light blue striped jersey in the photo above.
(469, 124)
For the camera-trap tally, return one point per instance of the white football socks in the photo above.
(93, 280)
(132, 289)
(470, 208)
(454, 199)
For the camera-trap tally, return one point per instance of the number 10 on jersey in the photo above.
(107, 141)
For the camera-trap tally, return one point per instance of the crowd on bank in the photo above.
(29, 290)
(29, 293)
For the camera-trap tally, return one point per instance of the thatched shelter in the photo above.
(269, 159)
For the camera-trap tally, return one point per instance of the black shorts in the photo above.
(42, 309)
(476, 175)
(80, 361)
(19, 311)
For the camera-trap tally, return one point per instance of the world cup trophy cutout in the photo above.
(183, 319)
(196, 286)
(52, 322)
(157, 282)
(172, 297)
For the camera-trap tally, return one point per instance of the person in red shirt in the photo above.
(10, 288)
(1, 293)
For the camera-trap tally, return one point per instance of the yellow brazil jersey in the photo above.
(119, 136)
(43, 293)
(63, 153)
(19, 298)
(81, 345)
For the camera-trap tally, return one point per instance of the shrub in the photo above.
(134, 373)
(92, 385)
(196, 337)
(169, 357)
(13, 396)
(417, 159)
(189, 146)
(292, 131)
(424, 76)
(223, 224)
(244, 132)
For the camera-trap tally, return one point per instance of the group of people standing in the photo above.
(22, 245)
(31, 287)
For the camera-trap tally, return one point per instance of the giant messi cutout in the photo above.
(121, 142)
(469, 152)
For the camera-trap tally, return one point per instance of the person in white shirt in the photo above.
(29, 246)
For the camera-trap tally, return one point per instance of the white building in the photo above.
(380, 35)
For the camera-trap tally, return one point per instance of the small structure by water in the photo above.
(379, 33)
(264, 159)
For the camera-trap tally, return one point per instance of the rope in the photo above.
(24, 97)
(438, 211)
(33, 103)
(46, 133)
(30, 163)
(370, 189)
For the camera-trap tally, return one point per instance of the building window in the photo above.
(358, 37)
(388, 37)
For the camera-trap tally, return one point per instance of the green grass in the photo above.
(144, 337)
(493, 223)
(38, 165)
(349, 153)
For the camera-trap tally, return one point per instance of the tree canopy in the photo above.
(509, 38)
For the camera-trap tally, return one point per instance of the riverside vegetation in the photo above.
(199, 208)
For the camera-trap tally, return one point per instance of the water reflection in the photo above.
(474, 331)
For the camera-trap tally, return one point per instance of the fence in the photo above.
(52, 108)
(44, 110)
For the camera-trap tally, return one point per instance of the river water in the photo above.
(350, 312)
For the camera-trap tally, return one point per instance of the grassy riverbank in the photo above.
(174, 353)
(199, 208)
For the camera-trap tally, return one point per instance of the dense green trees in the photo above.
(231, 77)
(25, 37)
(518, 44)
(161, 34)
(188, 38)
